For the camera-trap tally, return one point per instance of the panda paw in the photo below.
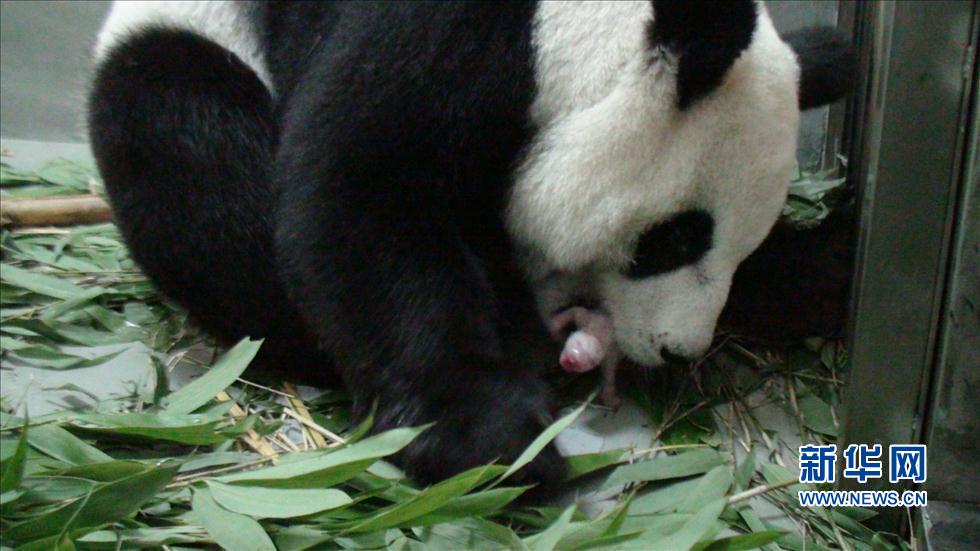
(492, 420)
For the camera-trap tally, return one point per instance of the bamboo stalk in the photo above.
(58, 210)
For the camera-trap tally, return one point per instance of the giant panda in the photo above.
(384, 191)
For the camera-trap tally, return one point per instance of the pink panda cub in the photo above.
(591, 345)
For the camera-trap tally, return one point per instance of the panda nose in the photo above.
(674, 357)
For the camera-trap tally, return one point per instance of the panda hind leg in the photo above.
(183, 133)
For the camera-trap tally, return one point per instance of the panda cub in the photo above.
(384, 191)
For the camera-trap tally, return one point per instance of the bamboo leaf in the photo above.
(548, 539)
(105, 503)
(545, 438)
(275, 503)
(12, 468)
(230, 530)
(667, 466)
(698, 526)
(185, 429)
(63, 445)
(715, 484)
(472, 505)
(426, 501)
(327, 468)
(817, 415)
(40, 283)
(203, 389)
(742, 542)
(583, 464)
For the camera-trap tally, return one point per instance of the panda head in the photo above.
(666, 140)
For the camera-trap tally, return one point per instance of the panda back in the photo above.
(230, 24)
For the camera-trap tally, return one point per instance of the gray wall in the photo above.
(45, 60)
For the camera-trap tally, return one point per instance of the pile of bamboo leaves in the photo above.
(225, 461)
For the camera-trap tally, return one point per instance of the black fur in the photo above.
(672, 244)
(827, 65)
(389, 235)
(796, 284)
(183, 133)
(707, 36)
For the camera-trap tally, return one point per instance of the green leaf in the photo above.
(745, 470)
(12, 469)
(472, 505)
(62, 445)
(743, 542)
(656, 498)
(40, 283)
(231, 531)
(713, 485)
(544, 439)
(583, 464)
(88, 295)
(699, 525)
(548, 539)
(107, 502)
(606, 530)
(185, 429)
(51, 358)
(203, 389)
(147, 537)
(751, 519)
(10, 496)
(10, 343)
(275, 503)
(470, 534)
(667, 466)
(66, 173)
(329, 467)
(817, 415)
(53, 489)
(214, 459)
(104, 472)
(426, 501)
(777, 474)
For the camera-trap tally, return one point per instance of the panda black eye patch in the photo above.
(672, 244)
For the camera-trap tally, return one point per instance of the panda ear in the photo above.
(827, 65)
(706, 37)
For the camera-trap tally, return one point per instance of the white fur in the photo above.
(615, 156)
(224, 22)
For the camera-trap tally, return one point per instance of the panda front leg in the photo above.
(385, 280)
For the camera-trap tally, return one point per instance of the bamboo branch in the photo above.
(759, 490)
(58, 210)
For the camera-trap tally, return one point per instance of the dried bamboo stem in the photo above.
(315, 427)
(59, 210)
(251, 438)
(297, 404)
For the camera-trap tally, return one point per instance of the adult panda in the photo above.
(384, 183)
